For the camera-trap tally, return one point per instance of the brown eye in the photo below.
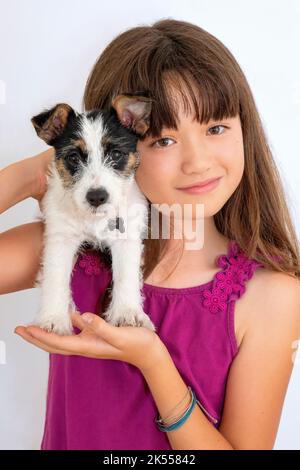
(217, 128)
(163, 142)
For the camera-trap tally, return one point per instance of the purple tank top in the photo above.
(106, 404)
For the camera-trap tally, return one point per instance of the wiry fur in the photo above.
(70, 219)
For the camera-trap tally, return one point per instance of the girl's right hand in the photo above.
(40, 164)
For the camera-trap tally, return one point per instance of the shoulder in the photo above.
(271, 303)
(272, 299)
(260, 373)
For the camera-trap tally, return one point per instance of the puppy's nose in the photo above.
(97, 196)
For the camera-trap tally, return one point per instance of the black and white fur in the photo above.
(90, 184)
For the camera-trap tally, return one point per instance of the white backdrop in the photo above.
(46, 52)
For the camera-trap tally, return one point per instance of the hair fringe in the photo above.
(212, 84)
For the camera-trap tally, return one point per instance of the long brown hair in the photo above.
(256, 216)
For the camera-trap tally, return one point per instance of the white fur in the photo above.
(69, 222)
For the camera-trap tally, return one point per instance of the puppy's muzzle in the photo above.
(96, 197)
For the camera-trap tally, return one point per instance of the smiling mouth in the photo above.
(202, 188)
(201, 184)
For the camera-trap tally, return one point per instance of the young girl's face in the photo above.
(194, 153)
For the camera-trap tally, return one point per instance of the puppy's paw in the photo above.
(127, 316)
(59, 324)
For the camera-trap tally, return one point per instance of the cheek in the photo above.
(152, 178)
(147, 179)
(233, 161)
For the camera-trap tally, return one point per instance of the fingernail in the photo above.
(87, 318)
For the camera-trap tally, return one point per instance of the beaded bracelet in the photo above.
(181, 420)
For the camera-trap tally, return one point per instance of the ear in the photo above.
(50, 123)
(133, 111)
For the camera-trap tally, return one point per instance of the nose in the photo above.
(97, 196)
(196, 156)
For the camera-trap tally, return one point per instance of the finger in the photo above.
(21, 331)
(70, 343)
(108, 332)
(77, 321)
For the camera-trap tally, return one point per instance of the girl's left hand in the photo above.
(98, 339)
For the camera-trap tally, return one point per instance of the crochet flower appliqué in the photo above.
(229, 283)
(90, 263)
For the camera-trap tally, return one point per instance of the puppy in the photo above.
(91, 188)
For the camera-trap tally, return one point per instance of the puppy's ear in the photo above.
(133, 111)
(50, 123)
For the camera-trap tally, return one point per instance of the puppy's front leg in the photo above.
(126, 307)
(56, 297)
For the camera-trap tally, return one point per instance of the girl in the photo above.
(215, 373)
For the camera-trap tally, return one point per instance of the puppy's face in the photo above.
(95, 152)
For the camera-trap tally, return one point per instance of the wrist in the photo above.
(26, 176)
(35, 169)
(158, 356)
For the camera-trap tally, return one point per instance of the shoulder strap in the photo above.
(229, 284)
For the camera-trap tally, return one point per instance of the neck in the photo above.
(200, 243)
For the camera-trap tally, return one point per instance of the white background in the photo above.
(46, 52)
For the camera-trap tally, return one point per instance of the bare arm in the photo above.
(257, 381)
(21, 247)
(260, 374)
(20, 254)
(23, 179)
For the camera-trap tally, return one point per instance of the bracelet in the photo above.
(181, 420)
(163, 420)
(174, 419)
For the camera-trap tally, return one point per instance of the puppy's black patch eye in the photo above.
(116, 154)
(117, 159)
(73, 158)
